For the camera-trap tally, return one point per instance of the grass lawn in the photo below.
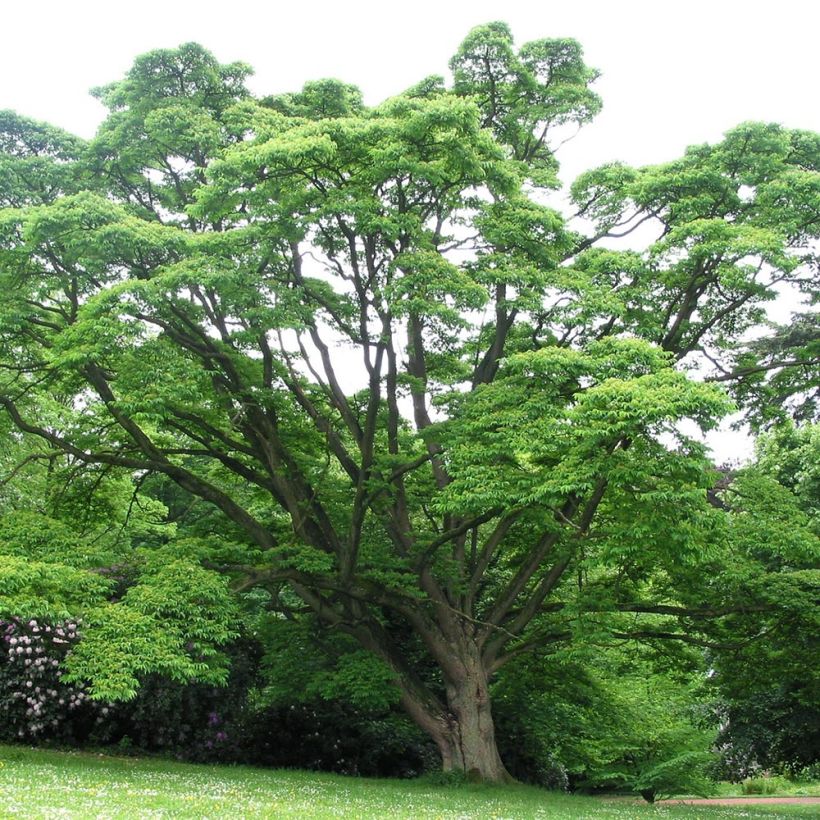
(48, 784)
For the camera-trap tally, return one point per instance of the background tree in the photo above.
(445, 424)
(767, 695)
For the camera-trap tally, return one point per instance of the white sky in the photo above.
(674, 73)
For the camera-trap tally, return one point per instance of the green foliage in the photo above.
(737, 220)
(319, 99)
(171, 622)
(168, 118)
(791, 455)
(37, 589)
(299, 666)
(37, 161)
(524, 96)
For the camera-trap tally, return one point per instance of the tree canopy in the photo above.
(434, 413)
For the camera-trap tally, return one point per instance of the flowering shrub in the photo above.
(35, 703)
(193, 721)
(189, 721)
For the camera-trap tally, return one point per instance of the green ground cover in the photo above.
(50, 784)
(768, 787)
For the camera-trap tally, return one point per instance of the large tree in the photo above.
(431, 414)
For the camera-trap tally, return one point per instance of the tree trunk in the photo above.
(465, 734)
(461, 724)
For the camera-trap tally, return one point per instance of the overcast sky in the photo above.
(673, 73)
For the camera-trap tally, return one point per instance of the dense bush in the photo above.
(335, 737)
(191, 721)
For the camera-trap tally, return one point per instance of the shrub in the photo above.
(333, 736)
(765, 785)
(192, 721)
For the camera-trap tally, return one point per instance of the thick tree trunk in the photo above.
(460, 723)
(469, 743)
(464, 733)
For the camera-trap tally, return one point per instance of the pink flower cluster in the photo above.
(34, 700)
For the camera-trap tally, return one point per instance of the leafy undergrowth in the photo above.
(769, 787)
(49, 784)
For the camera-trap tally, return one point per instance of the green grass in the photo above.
(50, 784)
